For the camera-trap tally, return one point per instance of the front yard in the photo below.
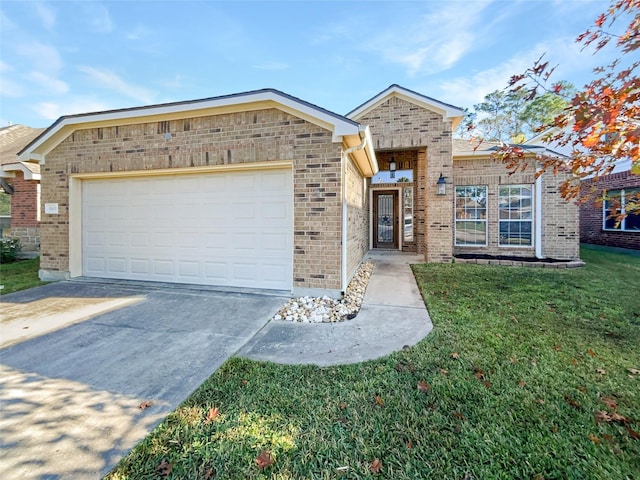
(529, 373)
(19, 275)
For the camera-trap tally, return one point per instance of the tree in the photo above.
(507, 116)
(601, 123)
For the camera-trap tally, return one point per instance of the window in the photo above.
(615, 204)
(471, 216)
(515, 213)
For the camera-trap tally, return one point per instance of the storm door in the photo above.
(385, 219)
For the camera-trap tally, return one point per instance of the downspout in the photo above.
(346, 153)
(538, 215)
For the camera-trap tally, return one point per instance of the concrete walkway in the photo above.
(392, 315)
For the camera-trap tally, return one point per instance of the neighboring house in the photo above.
(21, 181)
(264, 190)
(605, 199)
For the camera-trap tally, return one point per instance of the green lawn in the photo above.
(528, 374)
(19, 275)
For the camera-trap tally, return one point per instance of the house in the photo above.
(20, 181)
(599, 222)
(264, 190)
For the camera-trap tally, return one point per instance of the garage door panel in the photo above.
(228, 229)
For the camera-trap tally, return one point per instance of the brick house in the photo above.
(21, 182)
(264, 190)
(598, 224)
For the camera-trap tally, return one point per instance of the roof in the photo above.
(455, 114)
(478, 148)
(344, 129)
(13, 139)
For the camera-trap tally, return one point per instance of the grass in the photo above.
(518, 365)
(19, 275)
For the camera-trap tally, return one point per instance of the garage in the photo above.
(221, 228)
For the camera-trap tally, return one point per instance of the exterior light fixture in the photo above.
(392, 168)
(441, 185)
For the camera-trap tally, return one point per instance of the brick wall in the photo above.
(357, 218)
(235, 138)
(400, 125)
(591, 215)
(25, 212)
(560, 218)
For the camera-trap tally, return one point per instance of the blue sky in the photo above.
(65, 57)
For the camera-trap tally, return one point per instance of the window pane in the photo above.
(515, 212)
(632, 222)
(612, 209)
(471, 215)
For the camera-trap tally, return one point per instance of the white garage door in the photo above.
(229, 229)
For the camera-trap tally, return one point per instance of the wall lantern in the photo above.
(392, 168)
(441, 185)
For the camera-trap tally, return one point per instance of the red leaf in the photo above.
(591, 352)
(409, 444)
(164, 468)
(572, 402)
(264, 460)
(375, 466)
(213, 413)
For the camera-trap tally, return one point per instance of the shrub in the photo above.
(9, 249)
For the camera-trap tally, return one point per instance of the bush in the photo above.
(9, 249)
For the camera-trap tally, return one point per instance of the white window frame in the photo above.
(622, 227)
(464, 220)
(531, 188)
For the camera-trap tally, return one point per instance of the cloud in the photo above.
(45, 57)
(435, 41)
(111, 81)
(139, 33)
(99, 17)
(53, 110)
(50, 84)
(272, 66)
(47, 15)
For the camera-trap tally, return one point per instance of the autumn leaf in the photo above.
(459, 416)
(512, 359)
(610, 402)
(409, 444)
(342, 405)
(423, 386)
(574, 362)
(602, 416)
(591, 352)
(264, 460)
(582, 389)
(522, 384)
(557, 348)
(443, 371)
(634, 371)
(212, 415)
(164, 468)
(633, 434)
(616, 417)
(487, 384)
(601, 371)
(572, 402)
(144, 405)
(375, 466)
(455, 355)
(594, 439)
(379, 401)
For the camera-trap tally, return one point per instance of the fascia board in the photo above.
(232, 104)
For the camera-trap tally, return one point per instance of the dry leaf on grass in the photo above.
(212, 415)
(379, 401)
(164, 468)
(375, 466)
(522, 384)
(144, 405)
(610, 402)
(423, 386)
(455, 355)
(264, 460)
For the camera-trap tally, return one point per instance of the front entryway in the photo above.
(385, 219)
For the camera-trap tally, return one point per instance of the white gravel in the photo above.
(326, 309)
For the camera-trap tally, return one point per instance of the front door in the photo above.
(385, 219)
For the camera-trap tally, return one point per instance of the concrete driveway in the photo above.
(78, 358)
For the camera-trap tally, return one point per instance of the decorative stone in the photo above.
(326, 309)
